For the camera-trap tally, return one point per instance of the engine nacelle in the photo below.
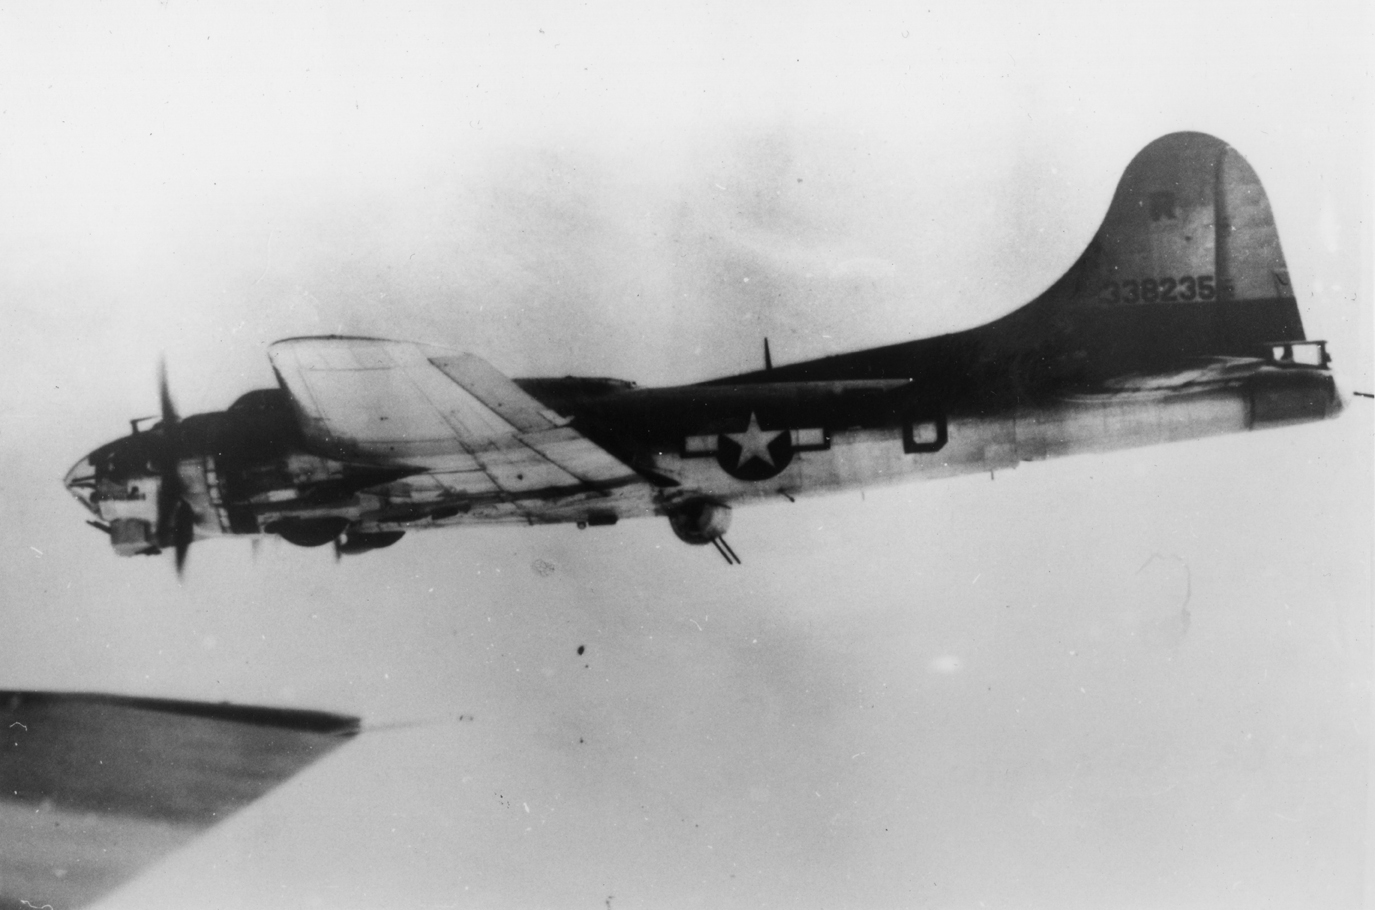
(359, 542)
(700, 522)
(308, 532)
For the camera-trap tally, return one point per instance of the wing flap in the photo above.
(578, 455)
(520, 470)
(506, 399)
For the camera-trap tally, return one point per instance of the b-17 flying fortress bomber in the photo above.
(1178, 322)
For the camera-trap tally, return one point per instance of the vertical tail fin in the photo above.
(1187, 263)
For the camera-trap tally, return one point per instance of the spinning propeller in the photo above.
(176, 525)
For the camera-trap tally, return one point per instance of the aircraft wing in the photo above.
(398, 403)
(94, 788)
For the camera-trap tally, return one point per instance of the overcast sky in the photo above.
(1139, 679)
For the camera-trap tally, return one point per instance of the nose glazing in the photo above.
(80, 481)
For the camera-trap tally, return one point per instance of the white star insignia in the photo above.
(754, 443)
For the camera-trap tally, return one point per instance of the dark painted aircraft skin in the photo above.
(1178, 322)
(97, 787)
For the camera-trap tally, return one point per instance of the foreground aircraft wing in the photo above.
(397, 403)
(94, 788)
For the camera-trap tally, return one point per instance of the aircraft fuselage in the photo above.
(247, 470)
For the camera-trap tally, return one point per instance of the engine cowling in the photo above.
(700, 522)
(308, 532)
(359, 542)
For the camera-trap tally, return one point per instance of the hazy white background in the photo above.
(1139, 680)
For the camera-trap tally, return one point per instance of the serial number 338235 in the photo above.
(1165, 290)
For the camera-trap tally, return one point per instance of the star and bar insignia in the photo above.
(755, 453)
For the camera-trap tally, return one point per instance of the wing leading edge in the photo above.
(94, 788)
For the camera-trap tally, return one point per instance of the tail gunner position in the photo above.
(1179, 321)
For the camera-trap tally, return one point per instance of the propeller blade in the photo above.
(170, 490)
(100, 526)
(183, 532)
(176, 520)
(169, 410)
